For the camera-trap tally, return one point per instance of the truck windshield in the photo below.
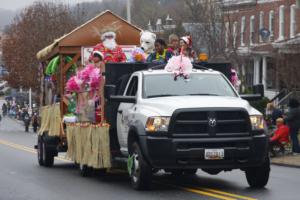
(163, 85)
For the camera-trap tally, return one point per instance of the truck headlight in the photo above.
(157, 124)
(257, 122)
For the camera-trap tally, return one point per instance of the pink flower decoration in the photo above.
(84, 74)
(74, 84)
(89, 76)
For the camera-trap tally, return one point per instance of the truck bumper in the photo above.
(183, 153)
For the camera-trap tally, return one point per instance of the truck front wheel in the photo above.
(258, 177)
(141, 172)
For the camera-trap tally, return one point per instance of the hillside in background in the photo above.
(5, 17)
(83, 11)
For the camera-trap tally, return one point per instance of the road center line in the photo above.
(227, 194)
(197, 191)
(28, 149)
(202, 191)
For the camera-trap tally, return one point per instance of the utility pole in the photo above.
(129, 11)
(30, 102)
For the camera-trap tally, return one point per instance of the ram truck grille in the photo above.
(210, 123)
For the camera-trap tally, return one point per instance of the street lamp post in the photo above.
(129, 11)
(30, 101)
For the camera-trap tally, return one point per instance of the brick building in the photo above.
(255, 32)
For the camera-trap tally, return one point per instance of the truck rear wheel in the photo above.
(141, 172)
(258, 177)
(47, 156)
(40, 151)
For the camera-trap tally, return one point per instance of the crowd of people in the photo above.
(287, 126)
(21, 112)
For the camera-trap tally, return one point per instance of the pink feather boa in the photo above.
(89, 76)
(74, 84)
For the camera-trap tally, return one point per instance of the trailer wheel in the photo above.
(48, 157)
(40, 151)
(258, 177)
(141, 172)
(84, 170)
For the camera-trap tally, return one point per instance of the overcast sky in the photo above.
(17, 4)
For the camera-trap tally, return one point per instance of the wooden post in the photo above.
(66, 67)
(61, 84)
(42, 84)
(63, 69)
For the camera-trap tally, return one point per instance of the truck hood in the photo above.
(165, 106)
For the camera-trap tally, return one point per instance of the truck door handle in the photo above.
(120, 112)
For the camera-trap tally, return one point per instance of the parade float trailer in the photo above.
(58, 62)
(149, 121)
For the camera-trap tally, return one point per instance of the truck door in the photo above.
(125, 114)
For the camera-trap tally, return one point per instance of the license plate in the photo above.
(214, 154)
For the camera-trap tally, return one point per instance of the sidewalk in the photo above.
(287, 160)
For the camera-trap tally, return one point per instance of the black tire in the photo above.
(100, 173)
(85, 171)
(48, 157)
(40, 151)
(258, 177)
(141, 175)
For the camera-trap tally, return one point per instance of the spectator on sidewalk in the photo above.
(276, 113)
(273, 113)
(293, 121)
(280, 137)
(4, 109)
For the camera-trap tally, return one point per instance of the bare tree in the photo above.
(204, 22)
(36, 27)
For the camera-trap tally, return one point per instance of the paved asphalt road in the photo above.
(21, 178)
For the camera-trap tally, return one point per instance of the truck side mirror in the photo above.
(259, 89)
(109, 90)
(258, 93)
(251, 97)
(123, 99)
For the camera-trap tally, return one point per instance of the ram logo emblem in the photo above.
(212, 122)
